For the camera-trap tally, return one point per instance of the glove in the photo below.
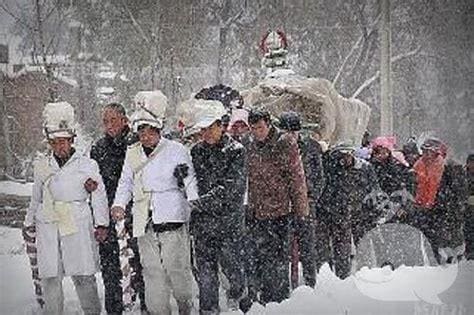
(181, 172)
(196, 206)
(101, 233)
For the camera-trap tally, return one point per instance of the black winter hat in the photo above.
(470, 157)
(410, 148)
(290, 121)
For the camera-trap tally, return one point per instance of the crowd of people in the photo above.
(247, 196)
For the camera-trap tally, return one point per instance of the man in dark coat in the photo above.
(394, 243)
(440, 199)
(349, 209)
(311, 156)
(109, 153)
(277, 194)
(217, 222)
(396, 179)
(411, 152)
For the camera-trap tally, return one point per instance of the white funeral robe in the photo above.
(63, 217)
(152, 177)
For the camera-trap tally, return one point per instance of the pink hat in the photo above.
(239, 114)
(385, 142)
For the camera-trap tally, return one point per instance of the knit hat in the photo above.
(239, 114)
(410, 148)
(343, 148)
(384, 142)
(290, 121)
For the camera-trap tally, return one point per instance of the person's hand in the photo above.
(90, 185)
(196, 205)
(117, 213)
(181, 172)
(101, 233)
(29, 232)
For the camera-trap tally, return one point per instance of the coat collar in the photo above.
(271, 139)
(54, 163)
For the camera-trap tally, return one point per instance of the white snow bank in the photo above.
(16, 287)
(331, 296)
(407, 290)
(15, 188)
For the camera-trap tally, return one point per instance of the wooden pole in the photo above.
(386, 110)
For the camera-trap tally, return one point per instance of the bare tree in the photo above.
(42, 24)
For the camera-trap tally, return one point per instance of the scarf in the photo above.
(428, 179)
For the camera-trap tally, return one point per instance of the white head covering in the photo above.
(150, 108)
(58, 120)
(239, 114)
(211, 111)
(195, 114)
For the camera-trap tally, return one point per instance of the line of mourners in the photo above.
(236, 195)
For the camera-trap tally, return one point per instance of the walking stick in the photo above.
(29, 236)
(125, 253)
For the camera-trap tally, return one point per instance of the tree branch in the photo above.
(135, 24)
(376, 76)
(17, 19)
(230, 21)
(354, 48)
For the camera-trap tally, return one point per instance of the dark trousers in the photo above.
(271, 272)
(469, 232)
(305, 234)
(426, 221)
(250, 263)
(321, 243)
(212, 249)
(111, 274)
(340, 237)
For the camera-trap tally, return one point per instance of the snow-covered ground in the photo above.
(404, 291)
(14, 188)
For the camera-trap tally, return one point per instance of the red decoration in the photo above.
(281, 35)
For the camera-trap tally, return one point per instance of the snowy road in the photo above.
(332, 296)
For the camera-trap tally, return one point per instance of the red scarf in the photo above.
(428, 179)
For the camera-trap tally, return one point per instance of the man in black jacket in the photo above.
(109, 152)
(396, 179)
(348, 211)
(217, 223)
(311, 156)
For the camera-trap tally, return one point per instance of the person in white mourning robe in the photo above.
(161, 206)
(68, 217)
